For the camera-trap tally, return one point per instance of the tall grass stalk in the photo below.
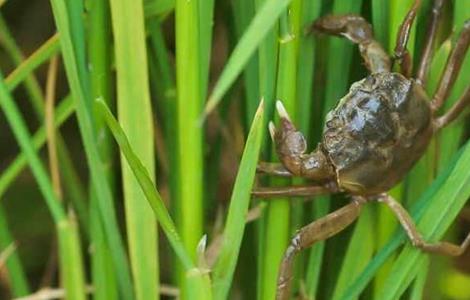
(135, 116)
(277, 229)
(79, 86)
(189, 90)
(99, 49)
(69, 245)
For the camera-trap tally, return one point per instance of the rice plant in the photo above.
(141, 123)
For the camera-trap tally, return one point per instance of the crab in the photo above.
(371, 139)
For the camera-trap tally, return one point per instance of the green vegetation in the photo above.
(172, 101)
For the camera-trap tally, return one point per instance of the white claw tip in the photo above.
(272, 130)
(281, 110)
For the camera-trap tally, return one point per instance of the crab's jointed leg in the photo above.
(426, 56)
(359, 31)
(318, 230)
(454, 111)
(292, 191)
(415, 237)
(454, 63)
(276, 169)
(401, 55)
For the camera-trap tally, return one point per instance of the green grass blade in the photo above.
(15, 271)
(359, 252)
(243, 11)
(267, 74)
(240, 200)
(99, 50)
(163, 82)
(81, 94)
(158, 7)
(380, 20)
(50, 48)
(31, 84)
(418, 289)
(24, 140)
(197, 280)
(278, 210)
(263, 21)
(8, 176)
(148, 187)
(189, 85)
(70, 259)
(24, 73)
(70, 266)
(135, 116)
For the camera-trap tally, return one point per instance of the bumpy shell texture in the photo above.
(377, 132)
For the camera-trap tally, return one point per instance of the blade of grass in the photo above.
(381, 21)
(63, 112)
(259, 27)
(267, 68)
(158, 8)
(418, 288)
(452, 187)
(135, 116)
(240, 200)
(307, 52)
(156, 202)
(243, 12)
(24, 72)
(190, 132)
(70, 267)
(50, 48)
(163, 81)
(70, 258)
(99, 50)
(206, 15)
(82, 95)
(31, 84)
(278, 211)
(15, 271)
(358, 253)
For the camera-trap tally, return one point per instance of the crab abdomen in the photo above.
(377, 132)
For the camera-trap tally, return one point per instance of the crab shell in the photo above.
(377, 132)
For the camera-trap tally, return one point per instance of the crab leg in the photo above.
(417, 240)
(453, 67)
(359, 31)
(316, 231)
(454, 111)
(426, 56)
(402, 56)
(291, 191)
(275, 169)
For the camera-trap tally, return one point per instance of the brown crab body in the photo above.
(377, 132)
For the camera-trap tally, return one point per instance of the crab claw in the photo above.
(281, 110)
(272, 130)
